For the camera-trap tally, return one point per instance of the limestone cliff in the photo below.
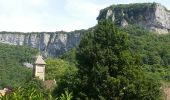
(50, 43)
(151, 16)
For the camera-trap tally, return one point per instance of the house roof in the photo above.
(40, 60)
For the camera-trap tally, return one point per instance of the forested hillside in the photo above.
(12, 71)
(150, 50)
(153, 50)
(126, 56)
(110, 62)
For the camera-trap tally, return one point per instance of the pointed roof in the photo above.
(40, 60)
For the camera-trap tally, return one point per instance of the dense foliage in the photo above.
(34, 90)
(112, 63)
(153, 50)
(70, 56)
(12, 72)
(58, 68)
(108, 70)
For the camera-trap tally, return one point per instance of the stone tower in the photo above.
(39, 69)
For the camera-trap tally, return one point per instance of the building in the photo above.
(39, 71)
(39, 68)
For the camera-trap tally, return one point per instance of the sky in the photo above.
(55, 15)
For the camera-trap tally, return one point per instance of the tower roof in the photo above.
(40, 60)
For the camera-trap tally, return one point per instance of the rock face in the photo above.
(151, 16)
(50, 43)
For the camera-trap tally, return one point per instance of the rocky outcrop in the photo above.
(50, 43)
(151, 16)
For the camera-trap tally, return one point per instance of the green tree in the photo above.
(108, 70)
(58, 68)
(34, 90)
(12, 71)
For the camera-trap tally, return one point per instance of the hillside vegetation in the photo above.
(110, 63)
(152, 50)
(12, 71)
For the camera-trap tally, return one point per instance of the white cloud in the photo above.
(21, 15)
(83, 13)
(37, 2)
(19, 23)
(72, 25)
(82, 8)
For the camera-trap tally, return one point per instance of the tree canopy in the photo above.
(12, 71)
(108, 70)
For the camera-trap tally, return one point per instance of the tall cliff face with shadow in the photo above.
(151, 16)
(50, 43)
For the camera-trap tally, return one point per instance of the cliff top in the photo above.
(152, 16)
(134, 7)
